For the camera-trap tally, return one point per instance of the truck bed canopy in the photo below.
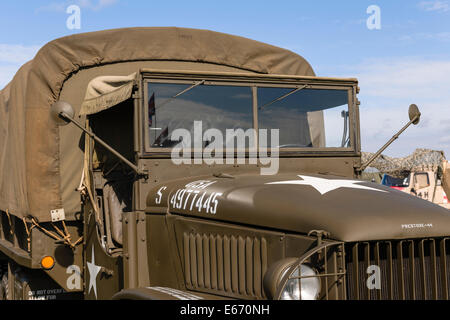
(30, 143)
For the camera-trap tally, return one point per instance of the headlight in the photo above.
(302, 289)
(304, 282)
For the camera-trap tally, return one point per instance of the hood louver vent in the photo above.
(228, 265)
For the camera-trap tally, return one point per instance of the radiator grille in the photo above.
(233, 265)
(409, 269)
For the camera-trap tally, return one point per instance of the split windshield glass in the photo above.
(207, 107)
(305, 117)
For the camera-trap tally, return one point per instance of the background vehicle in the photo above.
(117, 218)
(420, 174)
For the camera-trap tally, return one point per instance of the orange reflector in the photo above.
(47, 262)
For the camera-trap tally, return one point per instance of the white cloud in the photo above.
(388, 87)
(52, 7)
(96, 5)
(439, 36)
(437, 5)
(401, 77)
(6, 75)
(12, 57)
(61, 6)
(16, 53)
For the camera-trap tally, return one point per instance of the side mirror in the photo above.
(414, 118)
(61, 107)
(414, 113)
(62, 113)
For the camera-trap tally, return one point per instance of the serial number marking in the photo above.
(195, 200)
(159, 195)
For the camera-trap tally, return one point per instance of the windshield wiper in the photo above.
(180, 93)
(283, 96)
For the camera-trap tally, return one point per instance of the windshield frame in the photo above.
(253, 81)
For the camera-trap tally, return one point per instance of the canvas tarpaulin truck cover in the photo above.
(107, 91)
(30, 144)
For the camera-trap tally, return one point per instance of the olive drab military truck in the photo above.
(123, 176)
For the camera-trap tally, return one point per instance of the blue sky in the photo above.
(406, 61)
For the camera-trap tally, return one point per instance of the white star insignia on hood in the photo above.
(326, 185)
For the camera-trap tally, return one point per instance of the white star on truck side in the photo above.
(93, 272)
(326, 185)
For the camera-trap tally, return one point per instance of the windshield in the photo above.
(402, 182)
(305, 116)
(215, 107)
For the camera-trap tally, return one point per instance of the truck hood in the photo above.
(350, 210)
